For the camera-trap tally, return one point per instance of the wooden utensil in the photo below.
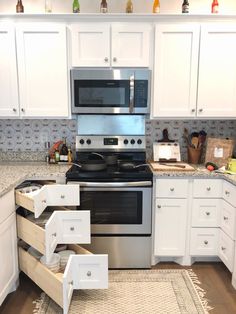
(194, 141)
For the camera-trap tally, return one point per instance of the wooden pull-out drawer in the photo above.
(171, 188)
(207, 188)
(206, 212)
(82, 272)
(48, 195)
(204, 241)
(226, 250)
(228, 219)
(63, 227)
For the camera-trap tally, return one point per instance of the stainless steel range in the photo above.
(116, 186)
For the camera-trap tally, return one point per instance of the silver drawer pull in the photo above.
(62, 196)
(206, 242)
(223, 248)
(106, 59)
(207, 213)
(172, 189)
(89, 274)
(44, 201)
(208, 189)
(72, 228)
(226, 218)
(71, 283)
(114, 59)
(158, 206)
(227, 193)
(54, 234)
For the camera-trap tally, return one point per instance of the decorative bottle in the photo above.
(156, 6)
(64, 152)
(215, 6)
(19, 7)
(48, 6)
(129, 7)
(103, 7)
(185, 6)
(76, 6)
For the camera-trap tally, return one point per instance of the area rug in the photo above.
(137, 292)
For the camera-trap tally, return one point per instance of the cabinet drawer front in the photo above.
(206, 213)
(63, 227)
(173, 188)
(226, 250)
(207, 188)
(227, 219)
(229, 193)
(48, 195)
(204, 241)
(7, 205)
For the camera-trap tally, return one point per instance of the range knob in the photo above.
(88, 141)
(139, 141)
(81, 141)
(132, 141)
(126, 141)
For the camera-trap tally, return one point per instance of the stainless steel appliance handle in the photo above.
(131, 94)
(112, 184)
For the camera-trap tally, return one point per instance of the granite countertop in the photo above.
(12, 174)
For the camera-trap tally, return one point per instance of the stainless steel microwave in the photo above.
(110, 91)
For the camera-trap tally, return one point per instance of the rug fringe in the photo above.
(201, 292)
(38, 303)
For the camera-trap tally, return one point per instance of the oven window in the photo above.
(120, 207)
(101, 93)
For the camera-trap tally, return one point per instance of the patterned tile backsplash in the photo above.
(19, 137)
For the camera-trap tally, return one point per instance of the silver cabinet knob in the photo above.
(44, 201)
(193, 110)
(208, 189)
(223, 248)
(22, 110)
(106, 59)
(114, 59)
(205, 242)
(227, 193)
(72, 228)
(62, 196)
(225, 218)
(207, 213)
(14, 109)
(89, 273)
(158, 206)
(71, 282)
(54, 234)
(172, 189)
(200, 110)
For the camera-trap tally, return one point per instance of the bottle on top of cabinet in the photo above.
(215, 6)
(129, 6)
(103, 7)
(185, 6)
(76, 6)
(19, 7)
(48, 6)
(64, 152)
(156, 6)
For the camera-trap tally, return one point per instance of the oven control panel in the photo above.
(110, 142)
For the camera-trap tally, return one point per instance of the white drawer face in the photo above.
(63, 227)
(93, 275)
(49, 195)
(206, 212)
(227, 219)
(226, 250)
(172, 188)
(207, 188)
(204, 241)
(229, 193)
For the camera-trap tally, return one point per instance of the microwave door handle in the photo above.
(131, 94)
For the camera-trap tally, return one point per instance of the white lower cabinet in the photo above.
(83, 270)
(226, 250)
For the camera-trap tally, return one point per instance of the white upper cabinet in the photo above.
(9, 105)
(105, 45)
(175, 70)
(42, 69)
(217, 71)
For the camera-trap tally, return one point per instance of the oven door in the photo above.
(117, 208)
(109, 91)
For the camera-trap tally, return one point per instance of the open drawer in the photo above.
(83, 271)
(63, 227)
(48, 195)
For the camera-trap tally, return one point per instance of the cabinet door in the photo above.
(170, 227)
(130, 45)
(42, 66)
(175, 70)
(9, 105)
(90, 45)
(217, 71)
(8, 256)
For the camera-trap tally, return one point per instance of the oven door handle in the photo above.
(113, 184)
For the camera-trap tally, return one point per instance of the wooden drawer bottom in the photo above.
(83, 271)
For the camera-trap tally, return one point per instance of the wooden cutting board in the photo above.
(156, 166)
